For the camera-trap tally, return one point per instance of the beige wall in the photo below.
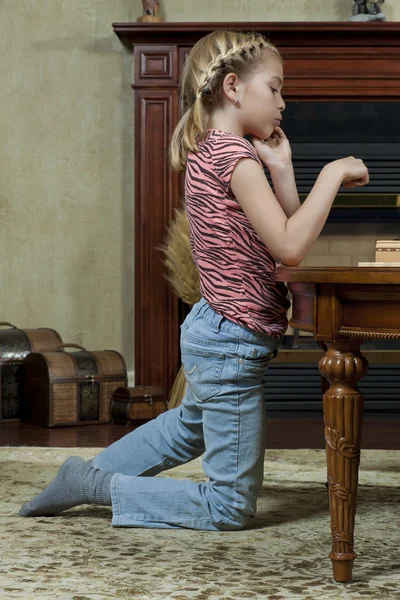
(66, 180)
(265, 10)
(66, 158)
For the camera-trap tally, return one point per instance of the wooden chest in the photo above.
(137, 404)
(71, 388)
(15, 345)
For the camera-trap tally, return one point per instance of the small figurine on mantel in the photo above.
(150, 12)
(367, 10)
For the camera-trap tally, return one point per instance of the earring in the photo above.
(236, 101)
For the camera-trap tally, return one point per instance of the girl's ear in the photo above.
(229, 86)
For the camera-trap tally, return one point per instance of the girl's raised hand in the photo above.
(354, 171)
(274, 152)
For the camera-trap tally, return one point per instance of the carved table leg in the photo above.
(343, 366)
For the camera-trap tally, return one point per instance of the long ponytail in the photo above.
(187, 134)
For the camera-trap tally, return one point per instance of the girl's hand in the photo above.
(353, 170)
(274, 152)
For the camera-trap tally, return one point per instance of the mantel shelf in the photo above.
(344, 33)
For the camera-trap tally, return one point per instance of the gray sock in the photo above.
(77, 482)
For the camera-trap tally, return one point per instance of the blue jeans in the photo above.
(221, 416)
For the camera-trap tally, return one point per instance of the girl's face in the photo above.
(260, 99)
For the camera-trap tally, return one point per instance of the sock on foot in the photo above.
(77, 482)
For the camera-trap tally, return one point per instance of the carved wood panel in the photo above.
(156, 308)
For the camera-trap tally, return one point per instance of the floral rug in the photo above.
(284, 554)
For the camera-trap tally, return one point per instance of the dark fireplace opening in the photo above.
(320, 132)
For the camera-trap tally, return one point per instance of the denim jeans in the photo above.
(222, 417)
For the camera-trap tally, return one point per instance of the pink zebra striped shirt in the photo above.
(236, 268)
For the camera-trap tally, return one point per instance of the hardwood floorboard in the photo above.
(379, 433)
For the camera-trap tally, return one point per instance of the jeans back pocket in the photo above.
(203, 369)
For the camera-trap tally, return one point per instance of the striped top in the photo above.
(235, 267)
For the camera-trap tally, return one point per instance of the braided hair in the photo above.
(210, 60)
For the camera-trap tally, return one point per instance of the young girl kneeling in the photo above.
(240, 229)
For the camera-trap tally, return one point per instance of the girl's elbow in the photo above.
(292, 262)
(291, 258)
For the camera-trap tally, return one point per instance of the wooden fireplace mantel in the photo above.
(322, 62)
(286, 32)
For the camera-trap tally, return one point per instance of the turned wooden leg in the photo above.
(343, 366)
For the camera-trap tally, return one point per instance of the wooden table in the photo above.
(343, 307)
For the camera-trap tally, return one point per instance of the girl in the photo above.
(231, 87)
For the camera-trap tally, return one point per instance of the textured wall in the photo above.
(66, 180)
(265, 10)
(66, 157)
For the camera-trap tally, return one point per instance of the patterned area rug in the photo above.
(79, 556)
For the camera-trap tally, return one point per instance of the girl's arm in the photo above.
(285, 188)
(290, 239)
(276, 154)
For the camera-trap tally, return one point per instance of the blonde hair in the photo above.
(210, 60)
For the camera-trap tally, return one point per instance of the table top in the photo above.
(356, 275)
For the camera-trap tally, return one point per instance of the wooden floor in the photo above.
(378, 433)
